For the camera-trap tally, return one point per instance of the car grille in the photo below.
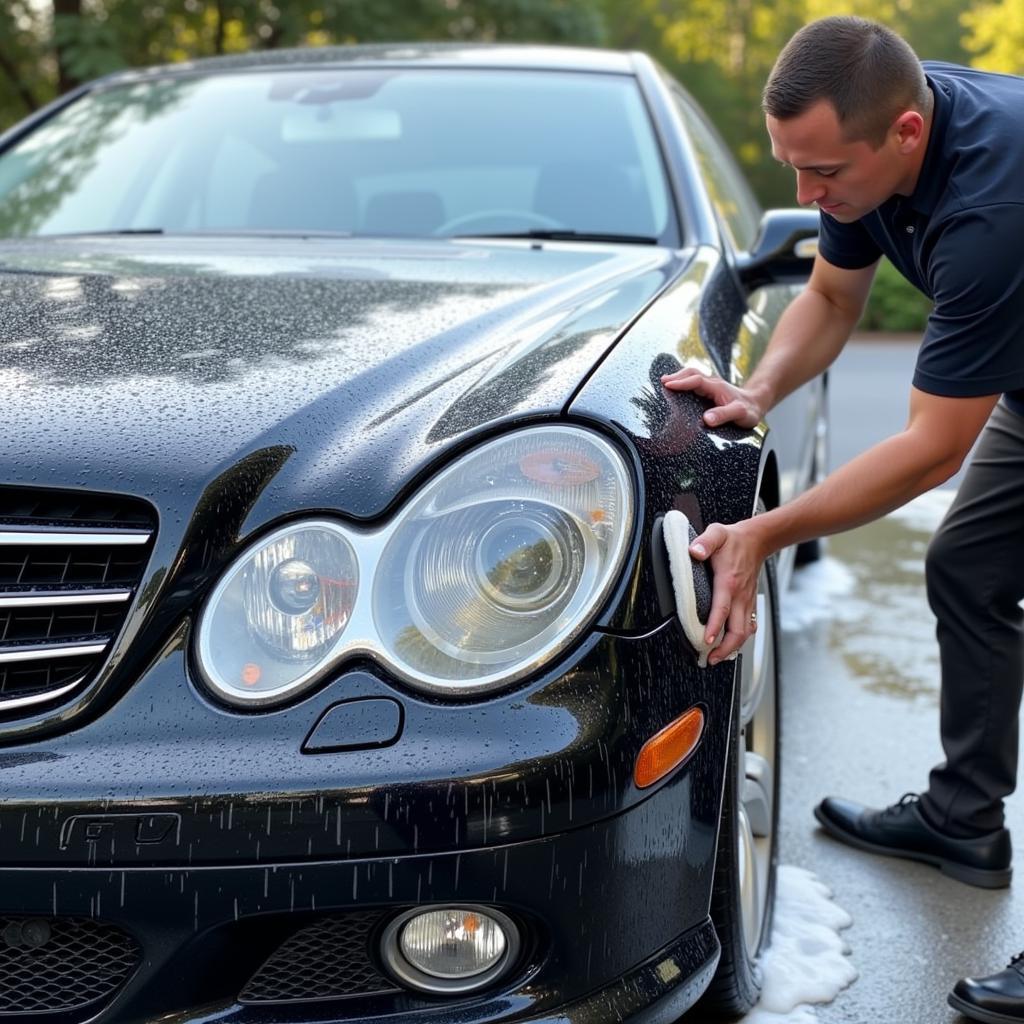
(327, 960)
(69, 568)
(61, 963)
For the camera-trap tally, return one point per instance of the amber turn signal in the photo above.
(668, 748)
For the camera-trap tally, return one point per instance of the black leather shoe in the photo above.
(901, 831)
(997, 999)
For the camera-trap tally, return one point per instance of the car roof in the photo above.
(462, 55)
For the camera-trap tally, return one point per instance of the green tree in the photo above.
(25, 81)
(723, 50)
(995, 36)
(45, 53)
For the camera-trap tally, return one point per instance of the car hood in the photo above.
(155, 365)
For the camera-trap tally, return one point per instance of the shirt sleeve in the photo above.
(974, 342)
(848, 246)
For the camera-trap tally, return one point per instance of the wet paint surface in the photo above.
(160, 363)
(540, 761)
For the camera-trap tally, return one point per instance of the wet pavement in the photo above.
(861, 720)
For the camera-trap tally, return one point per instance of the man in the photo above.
(923, 164)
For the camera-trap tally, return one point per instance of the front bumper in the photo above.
(610, 884)
(615, 915)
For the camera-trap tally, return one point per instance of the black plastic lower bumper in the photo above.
(657, 991)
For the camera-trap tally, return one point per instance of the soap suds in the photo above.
(807, 960)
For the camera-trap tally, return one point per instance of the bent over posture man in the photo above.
(924, 164)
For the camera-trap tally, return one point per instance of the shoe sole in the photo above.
(982, 878)
(977, 1013)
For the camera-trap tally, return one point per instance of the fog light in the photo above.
(450, 949)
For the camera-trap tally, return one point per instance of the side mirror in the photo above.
(783, 252)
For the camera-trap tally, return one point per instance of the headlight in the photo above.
(492, 568)
(276, 613)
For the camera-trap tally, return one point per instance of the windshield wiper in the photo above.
(212, 233)
(545, 235)
(113, 231)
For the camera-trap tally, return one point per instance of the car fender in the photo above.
(711, 475)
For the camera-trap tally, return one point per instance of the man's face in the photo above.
(846, 179)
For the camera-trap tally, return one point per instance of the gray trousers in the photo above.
(975, 578)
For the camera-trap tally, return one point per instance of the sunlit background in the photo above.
(721, 50)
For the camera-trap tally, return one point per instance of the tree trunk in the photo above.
(65, 9)
(20, 88)
(218, 47)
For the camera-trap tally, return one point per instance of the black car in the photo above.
(340, 673)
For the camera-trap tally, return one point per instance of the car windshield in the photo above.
(408, 152)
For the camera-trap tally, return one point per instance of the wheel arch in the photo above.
(768, 477)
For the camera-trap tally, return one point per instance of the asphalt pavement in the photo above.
(861, 720)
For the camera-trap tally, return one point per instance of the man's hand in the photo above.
(932, 447)
(736, 558)
(732, 404)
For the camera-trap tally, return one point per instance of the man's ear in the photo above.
(909, 128)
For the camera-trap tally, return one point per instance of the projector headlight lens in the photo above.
(294, 587)
(451, 949)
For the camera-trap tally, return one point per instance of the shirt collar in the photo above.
(931, 181)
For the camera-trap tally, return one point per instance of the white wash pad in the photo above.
(691, 583)
(806, 962)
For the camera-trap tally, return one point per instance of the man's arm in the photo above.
(931, 448)
(809, 336)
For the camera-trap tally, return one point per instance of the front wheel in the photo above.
(743, 895)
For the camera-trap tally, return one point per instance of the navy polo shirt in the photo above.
(959, 237)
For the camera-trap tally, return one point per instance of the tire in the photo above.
(807, 552)
(812, 550)
(743, 893)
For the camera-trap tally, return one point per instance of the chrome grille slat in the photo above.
(36, 652)
(71, 538)
(57, 598)
(70, 565)
(14, 703)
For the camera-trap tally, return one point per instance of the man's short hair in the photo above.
(865, 70)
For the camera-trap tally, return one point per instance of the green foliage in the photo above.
(895, 304)
(995, 35)
(25, 80)
(723, 50)
(87, 38)
(89, 48)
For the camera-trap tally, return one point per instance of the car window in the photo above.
(364, 151)
(738, 209)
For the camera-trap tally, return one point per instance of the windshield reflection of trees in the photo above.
(79, 132)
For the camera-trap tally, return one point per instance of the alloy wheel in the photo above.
(757, 755)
